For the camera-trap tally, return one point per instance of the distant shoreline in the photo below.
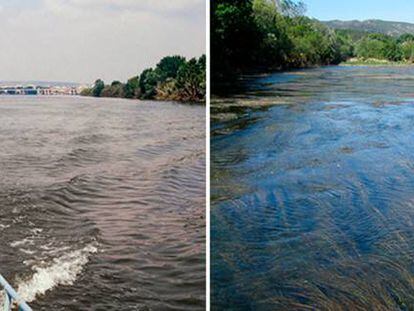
(375, 62)
(159, 100)
(174, 78)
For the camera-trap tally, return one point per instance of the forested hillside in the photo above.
(395, 29)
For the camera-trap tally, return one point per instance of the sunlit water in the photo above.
(313, 191)
(102, 203)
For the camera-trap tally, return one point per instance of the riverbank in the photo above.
(173, 79)
(163, 99)
(374, 62)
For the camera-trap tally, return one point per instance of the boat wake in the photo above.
(63, 270)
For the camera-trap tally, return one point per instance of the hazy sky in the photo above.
(81, 40)
(393, 10)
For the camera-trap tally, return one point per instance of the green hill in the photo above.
(373, 26)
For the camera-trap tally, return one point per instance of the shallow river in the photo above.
(313, 191)
(102, 203)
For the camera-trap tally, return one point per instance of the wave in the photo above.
(63, 270)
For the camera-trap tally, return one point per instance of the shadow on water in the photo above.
(312, 196)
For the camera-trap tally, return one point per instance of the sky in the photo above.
(82, 40)
(392, 10)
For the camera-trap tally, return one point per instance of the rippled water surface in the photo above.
(102, 203)
(313, 191)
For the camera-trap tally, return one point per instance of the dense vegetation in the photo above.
(257, 35)
(269, 34)
(383, 47)
(174, 78)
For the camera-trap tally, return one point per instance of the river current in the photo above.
(313, 191)
(102, 203)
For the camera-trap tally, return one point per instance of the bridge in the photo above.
(39, 90)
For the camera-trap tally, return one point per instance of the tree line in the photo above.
(384, 47)
(257, 35)
(173, 78)
(269, 34)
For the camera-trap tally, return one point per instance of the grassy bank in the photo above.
(375, 62)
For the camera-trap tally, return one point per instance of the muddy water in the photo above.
(102, 203)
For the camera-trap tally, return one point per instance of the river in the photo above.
(313, 191)
(102, 203)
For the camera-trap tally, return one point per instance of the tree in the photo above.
(131, 88)
(116, 89)
(379, 46)
(275, 44)
(168, 67)
(147, 83)
(406, 42)
(98, 88)
(408, 37)
(345, 46)
(291, 8)
(202, 71)
(393, 51)
(191, 80)
(116, 83)
(234, 38)
(86, 92)
(408, 50)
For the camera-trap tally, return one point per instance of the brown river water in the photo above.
(102, 203)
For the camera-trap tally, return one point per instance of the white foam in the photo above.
(29, 240)
(2, 227)
(27, 251)
(62, 271)
(25, 241)
(36, 231)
